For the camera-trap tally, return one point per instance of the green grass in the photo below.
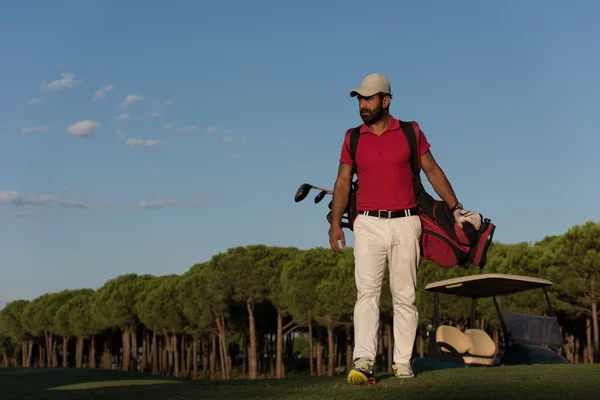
(563, 382)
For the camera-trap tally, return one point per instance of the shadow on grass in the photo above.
(119, 383)
(17, 379)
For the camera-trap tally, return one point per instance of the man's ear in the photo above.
(386, 101)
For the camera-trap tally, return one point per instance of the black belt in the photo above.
(391, 214)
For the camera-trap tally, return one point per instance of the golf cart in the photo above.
(528, 338)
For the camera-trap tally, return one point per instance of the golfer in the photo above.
(385, 179)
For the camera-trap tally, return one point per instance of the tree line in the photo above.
(264, 311)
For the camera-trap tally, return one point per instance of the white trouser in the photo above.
(375, 241)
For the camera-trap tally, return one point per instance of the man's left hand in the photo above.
(461, 216)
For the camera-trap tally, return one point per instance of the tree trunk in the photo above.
(92, 352)
(349, 348)
(195, 358)
(134, 350)
(27, 353)
(252, 361)
(54, 354)
(65, 361)
(320, 350)
(126, 337)
(380, 339)
(50, 349)
(279, 356)
(169, 349)
(24, 352)
(213, 356)
(310, 346)
(220, 320)
(144, 362)
(155, 361)
(79, 352)
(595, 322)
(41, 356)
(164, 356)
(176, 361)
(331, 351)
(588, 352)
(205, 353)
(390, 346)
(106, 362)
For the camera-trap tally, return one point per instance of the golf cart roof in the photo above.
(487, 285)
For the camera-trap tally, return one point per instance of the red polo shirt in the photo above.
(383, 168)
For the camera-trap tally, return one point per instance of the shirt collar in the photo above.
(394, 124)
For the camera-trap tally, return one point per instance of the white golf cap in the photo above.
(371, 85)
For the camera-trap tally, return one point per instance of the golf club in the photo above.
(305, 188)
(320, 196)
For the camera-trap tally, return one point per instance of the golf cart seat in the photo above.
(474, 346)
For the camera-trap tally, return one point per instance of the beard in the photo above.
(370, 117)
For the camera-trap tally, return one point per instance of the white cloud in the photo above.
(155, 203)
(233, 155)
(18, 199)
(37, 129)
(193, 204)
(136, 142)
(187, 129)
(130, 99)
(75, 204)
(124, 116)
(169, 103)
(83, 128)
(35, 100)
(211, 129)
(101, 92)
(153, 114)
(169, 125)
(66, 81)
(228, 139)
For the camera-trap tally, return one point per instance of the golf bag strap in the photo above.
(412, 136)
(354, 136)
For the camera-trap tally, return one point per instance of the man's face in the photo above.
(371, 108)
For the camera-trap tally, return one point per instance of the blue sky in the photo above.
(146, 138)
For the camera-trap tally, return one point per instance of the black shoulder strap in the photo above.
(354, 136)
(411, 137)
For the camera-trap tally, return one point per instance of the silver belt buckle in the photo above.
(389, 214)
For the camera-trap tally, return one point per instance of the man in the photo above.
(385, 179)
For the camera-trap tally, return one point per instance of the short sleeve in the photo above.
(345, 153)
(423, 143)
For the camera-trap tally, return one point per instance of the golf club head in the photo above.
(344, 219)
(320, 196)
(302, 192)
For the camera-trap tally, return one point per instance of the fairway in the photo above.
(523, 382)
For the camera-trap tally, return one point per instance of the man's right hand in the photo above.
(336, 234)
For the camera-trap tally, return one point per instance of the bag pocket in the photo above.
(478, 256)
(436, 246)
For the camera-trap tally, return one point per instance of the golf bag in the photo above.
(442, 240)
